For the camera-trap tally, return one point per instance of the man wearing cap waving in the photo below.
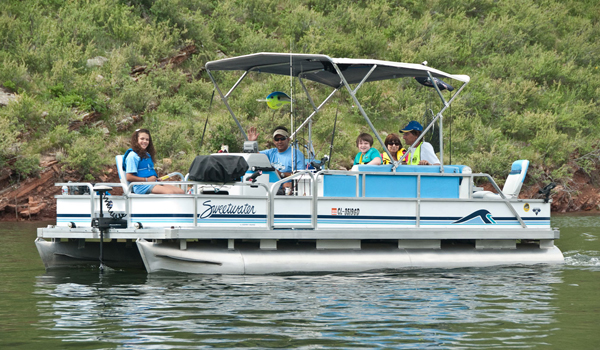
(280, 156)
(423, 154)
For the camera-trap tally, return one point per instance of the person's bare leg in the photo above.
(167, 189)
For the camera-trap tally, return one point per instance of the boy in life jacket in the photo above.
(139, 165)
(423, 154)
(366, 154)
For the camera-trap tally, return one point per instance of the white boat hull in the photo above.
(254, 261)
(77, 252)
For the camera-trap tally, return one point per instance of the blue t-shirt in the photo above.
(371, 154)
(132, 166)
(282, 161)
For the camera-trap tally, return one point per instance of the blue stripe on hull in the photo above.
(170, 219)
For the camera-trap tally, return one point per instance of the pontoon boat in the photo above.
(384, 217)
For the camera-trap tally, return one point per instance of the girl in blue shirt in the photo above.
(139, 165)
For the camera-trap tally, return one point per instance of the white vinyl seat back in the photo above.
(121, 172)
(513, 184)
(515, 178)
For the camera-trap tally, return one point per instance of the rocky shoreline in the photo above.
(33, 198)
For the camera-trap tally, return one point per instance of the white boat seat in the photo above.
(513, 184)
(121, 172)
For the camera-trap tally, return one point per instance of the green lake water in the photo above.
(541, 307)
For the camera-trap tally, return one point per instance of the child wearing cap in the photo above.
(366, 154)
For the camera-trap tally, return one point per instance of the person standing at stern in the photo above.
(139, 165)
(423, 154)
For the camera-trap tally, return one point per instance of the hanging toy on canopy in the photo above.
(441, 85)
(276, 100)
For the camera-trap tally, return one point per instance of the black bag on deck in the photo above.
(218, 168)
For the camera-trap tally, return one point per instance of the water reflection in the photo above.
(501, 307)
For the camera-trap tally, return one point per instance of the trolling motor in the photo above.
(114, 220)
(546, 191)
(102, 223)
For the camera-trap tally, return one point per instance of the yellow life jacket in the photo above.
(386, 159)
(414, 158)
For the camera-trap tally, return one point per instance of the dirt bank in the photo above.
(33, 198)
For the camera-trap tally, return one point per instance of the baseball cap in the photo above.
(281, 132)
(412, 125)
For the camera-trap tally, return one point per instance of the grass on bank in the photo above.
(534, 69)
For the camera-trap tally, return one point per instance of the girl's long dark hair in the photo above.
(138, 149)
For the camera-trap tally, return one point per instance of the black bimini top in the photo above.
(320, 68)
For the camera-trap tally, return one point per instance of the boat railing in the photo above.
(500, 193)
(93, 196)
(316, 183)
(361, 185)
(312, 198)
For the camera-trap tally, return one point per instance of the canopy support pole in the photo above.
(360, 108)
(226, 97)
(313, 113)
(437, 116)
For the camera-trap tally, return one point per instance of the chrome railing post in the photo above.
(418, 208)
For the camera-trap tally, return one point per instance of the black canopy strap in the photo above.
(207, 115)
(332, 137)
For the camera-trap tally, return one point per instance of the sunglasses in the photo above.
(279, 139)
(394, 143)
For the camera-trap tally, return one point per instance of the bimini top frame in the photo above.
(333, 72)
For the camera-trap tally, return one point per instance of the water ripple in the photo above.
(589, 258)
(468, 308)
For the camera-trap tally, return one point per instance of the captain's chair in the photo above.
(513, 183)
(122, 175)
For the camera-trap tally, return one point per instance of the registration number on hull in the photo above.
(345, 211)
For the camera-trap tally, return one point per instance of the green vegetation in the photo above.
(533, 64)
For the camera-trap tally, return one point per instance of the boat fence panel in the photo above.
(162, 211)
(366, 213)
(292, 211)
(231, 211)
(77, 209)
(74, 209)
(484, 215)
(398, 185)
(338, 185)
